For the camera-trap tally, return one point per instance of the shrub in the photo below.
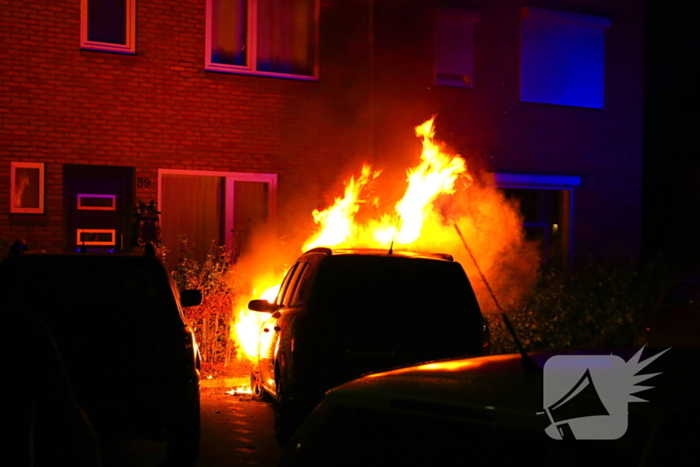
(212, 319)
(600, 304)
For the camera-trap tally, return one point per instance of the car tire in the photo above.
(259, 393)
(183, 435)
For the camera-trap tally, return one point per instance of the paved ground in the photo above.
(236, 431)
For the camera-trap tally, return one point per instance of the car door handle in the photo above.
(277, 328)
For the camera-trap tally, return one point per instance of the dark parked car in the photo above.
(52, 427)
(128, 352)
(488, 411)
(342, 313)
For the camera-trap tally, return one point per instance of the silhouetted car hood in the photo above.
(496, 389)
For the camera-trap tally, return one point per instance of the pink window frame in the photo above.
(39, 209)
(128, 48)
(229, 179)
(252, 44)
(80, 242)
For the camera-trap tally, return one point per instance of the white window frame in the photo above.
(566, 183)
(251, 69)
(229, 179)
(459, 61)
(128, 48)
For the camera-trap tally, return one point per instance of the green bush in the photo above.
(600, 304)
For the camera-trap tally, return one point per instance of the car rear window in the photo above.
(396, 304)
(371, 285)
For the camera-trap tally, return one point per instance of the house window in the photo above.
(108, 25)
(219, 208)
(547, 204)
(454, 47)
(562, 58)
(263, 37)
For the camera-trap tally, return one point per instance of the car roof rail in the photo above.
(320, 249)
(445, 256)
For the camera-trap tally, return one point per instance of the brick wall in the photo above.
(159, 108)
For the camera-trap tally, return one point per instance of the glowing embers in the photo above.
(240, 390)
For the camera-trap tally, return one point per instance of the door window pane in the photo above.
(192, 206)
(250, 213)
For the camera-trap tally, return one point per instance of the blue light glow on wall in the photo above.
(562, 58)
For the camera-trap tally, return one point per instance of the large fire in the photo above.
(247, 326)
(440, 193)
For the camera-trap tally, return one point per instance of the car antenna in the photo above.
(396, 232)
(529, 364)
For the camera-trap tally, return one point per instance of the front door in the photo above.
(98, 207)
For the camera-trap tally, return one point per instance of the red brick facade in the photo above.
(159, 109)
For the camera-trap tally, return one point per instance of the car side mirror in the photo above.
(262, 305)
(190, 297)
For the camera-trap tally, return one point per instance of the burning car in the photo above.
(342, 313)
(128, 352)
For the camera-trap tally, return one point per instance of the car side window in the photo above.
(285, 285)
(291, 289)
(301, 292)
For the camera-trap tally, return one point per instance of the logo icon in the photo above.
(586, 396)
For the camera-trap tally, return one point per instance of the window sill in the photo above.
(227, 69)
(110, 48)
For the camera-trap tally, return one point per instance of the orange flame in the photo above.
(337, 222)
(434, 176)
(247, 327)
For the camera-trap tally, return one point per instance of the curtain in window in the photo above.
(229, 35)
(286, 36)
(191, 205)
